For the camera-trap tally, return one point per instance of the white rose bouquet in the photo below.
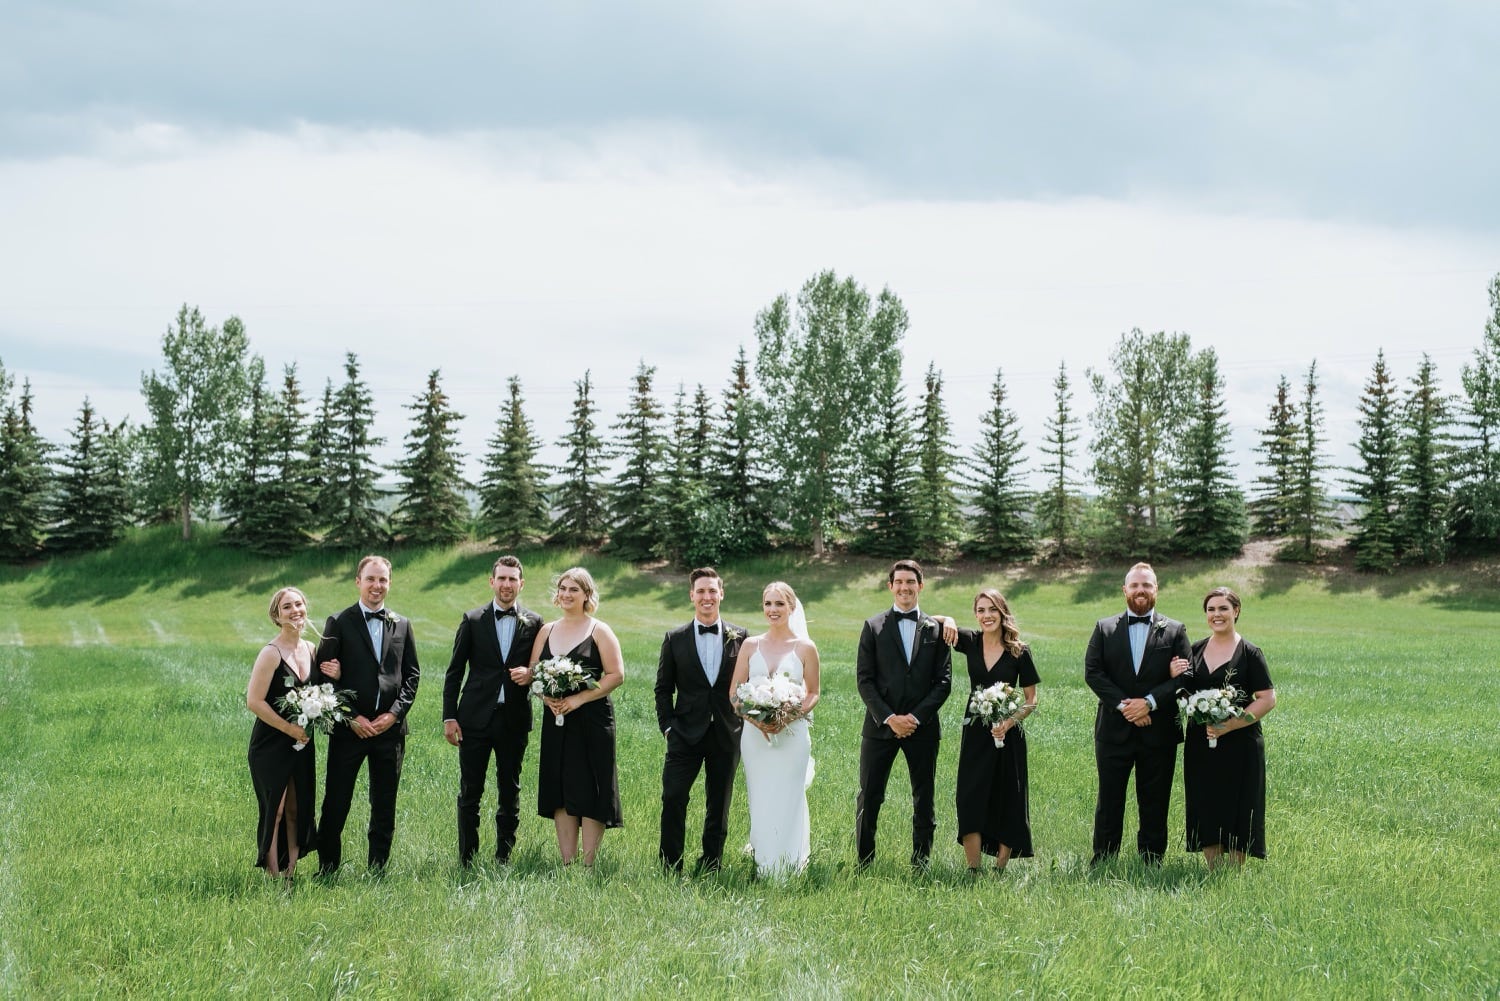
(557, 677)
(1209, 706)
(772, 701)
(994, 705)
(314, 707)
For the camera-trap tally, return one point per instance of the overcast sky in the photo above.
(542, 189)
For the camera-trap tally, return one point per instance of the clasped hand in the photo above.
(366, 728)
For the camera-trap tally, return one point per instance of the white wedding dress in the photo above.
(777, 774)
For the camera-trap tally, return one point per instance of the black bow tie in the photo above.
(910, 616)
(375, 615)
(705, 630)
(1137, 620)
(501, 613)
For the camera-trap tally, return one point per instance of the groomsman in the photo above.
(378, 657)
(701, 726)
(492, 715)
(1131, 664)
(904, 671)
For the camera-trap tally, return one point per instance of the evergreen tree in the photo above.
(700, 434)
(242, 502)
(322, 447)
(1476, 471)
(1271, 509)
(741, 511)
(1210, 517)
(826, 370)
(1139, 421)
(25, 482)
(999, 528)
(636, 499)
(92, 504)
(580, 502)
(683, 489)
(269, 505)
(512, 497)
(1422, 522)
(1307, 498)
(935, 493)
(1058, 508)
(350, 494)
(1375, 480)
(887, 509)
(196, 405)
(432, 510)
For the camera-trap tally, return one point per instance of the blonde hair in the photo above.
(584, 580)
(784, 588)
(1010, 633)
(276, 602)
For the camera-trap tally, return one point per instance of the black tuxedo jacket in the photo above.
(1110, 671)
(475, 647)
(699, 707)
(888, 685)
(387, 685)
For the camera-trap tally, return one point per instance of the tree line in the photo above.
(813, 444)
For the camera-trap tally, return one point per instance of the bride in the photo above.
(778, 758)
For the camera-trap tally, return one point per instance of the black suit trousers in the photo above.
(346, 753)
(876, 756)
(507, 746)
(1154, 766)
(678, 773)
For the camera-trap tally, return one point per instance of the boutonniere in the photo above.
(732, 635)
(928, 623)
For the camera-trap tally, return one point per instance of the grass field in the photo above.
(127, 820)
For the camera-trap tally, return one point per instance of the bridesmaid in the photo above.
(993, 813)
(282, 775)
(1226, 784)
(578, 783)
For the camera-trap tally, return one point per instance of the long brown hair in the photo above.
(1010, 634)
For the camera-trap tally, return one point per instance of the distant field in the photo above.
(127, 820)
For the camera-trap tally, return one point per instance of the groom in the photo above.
(904, 671)
(702, 728)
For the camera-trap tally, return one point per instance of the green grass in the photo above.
(127, 819)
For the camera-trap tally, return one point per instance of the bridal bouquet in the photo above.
(773, 701)
(994, 705)
(556, 677)
(314, 707)
(1211, 705)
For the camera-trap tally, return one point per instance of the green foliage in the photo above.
(1059, 508)
(1210, 516)
(25, 480)
(1307, 499)
(432, 510)
(322, 448)
(269, 503)
(1140, 418)
(92, 504)
(1422, 523)
(827, 371)
(999, 528)
(579, 499)
(935, 492)
(684, 485)
(888, 515)
(348, 499)
(636, 498)
(512, 497)
(742, 504)
(1476, 469)
(195, 407)
(1375, 480)
(1271, 508)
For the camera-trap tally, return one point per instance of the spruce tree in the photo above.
(636, 498)
(1422, 523)
(887, 512)
(1271, 508)
(25, 481)
(432, 510)
(286, 523)
(1307, 498)
(91, 508)
(1375, 479)
(683, 490)
(580, 502)
(935, 499)
(243, 502)
(1058, 507)
(512, 495)
(742, 506)
(350, 495)
(999, 529)
(1476, 471)
(1210, 518)
(322, 446)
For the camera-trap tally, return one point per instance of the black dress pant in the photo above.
(507, 745)
(346, 753)
(1154, 766)
(876, 756)
(678, 773)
